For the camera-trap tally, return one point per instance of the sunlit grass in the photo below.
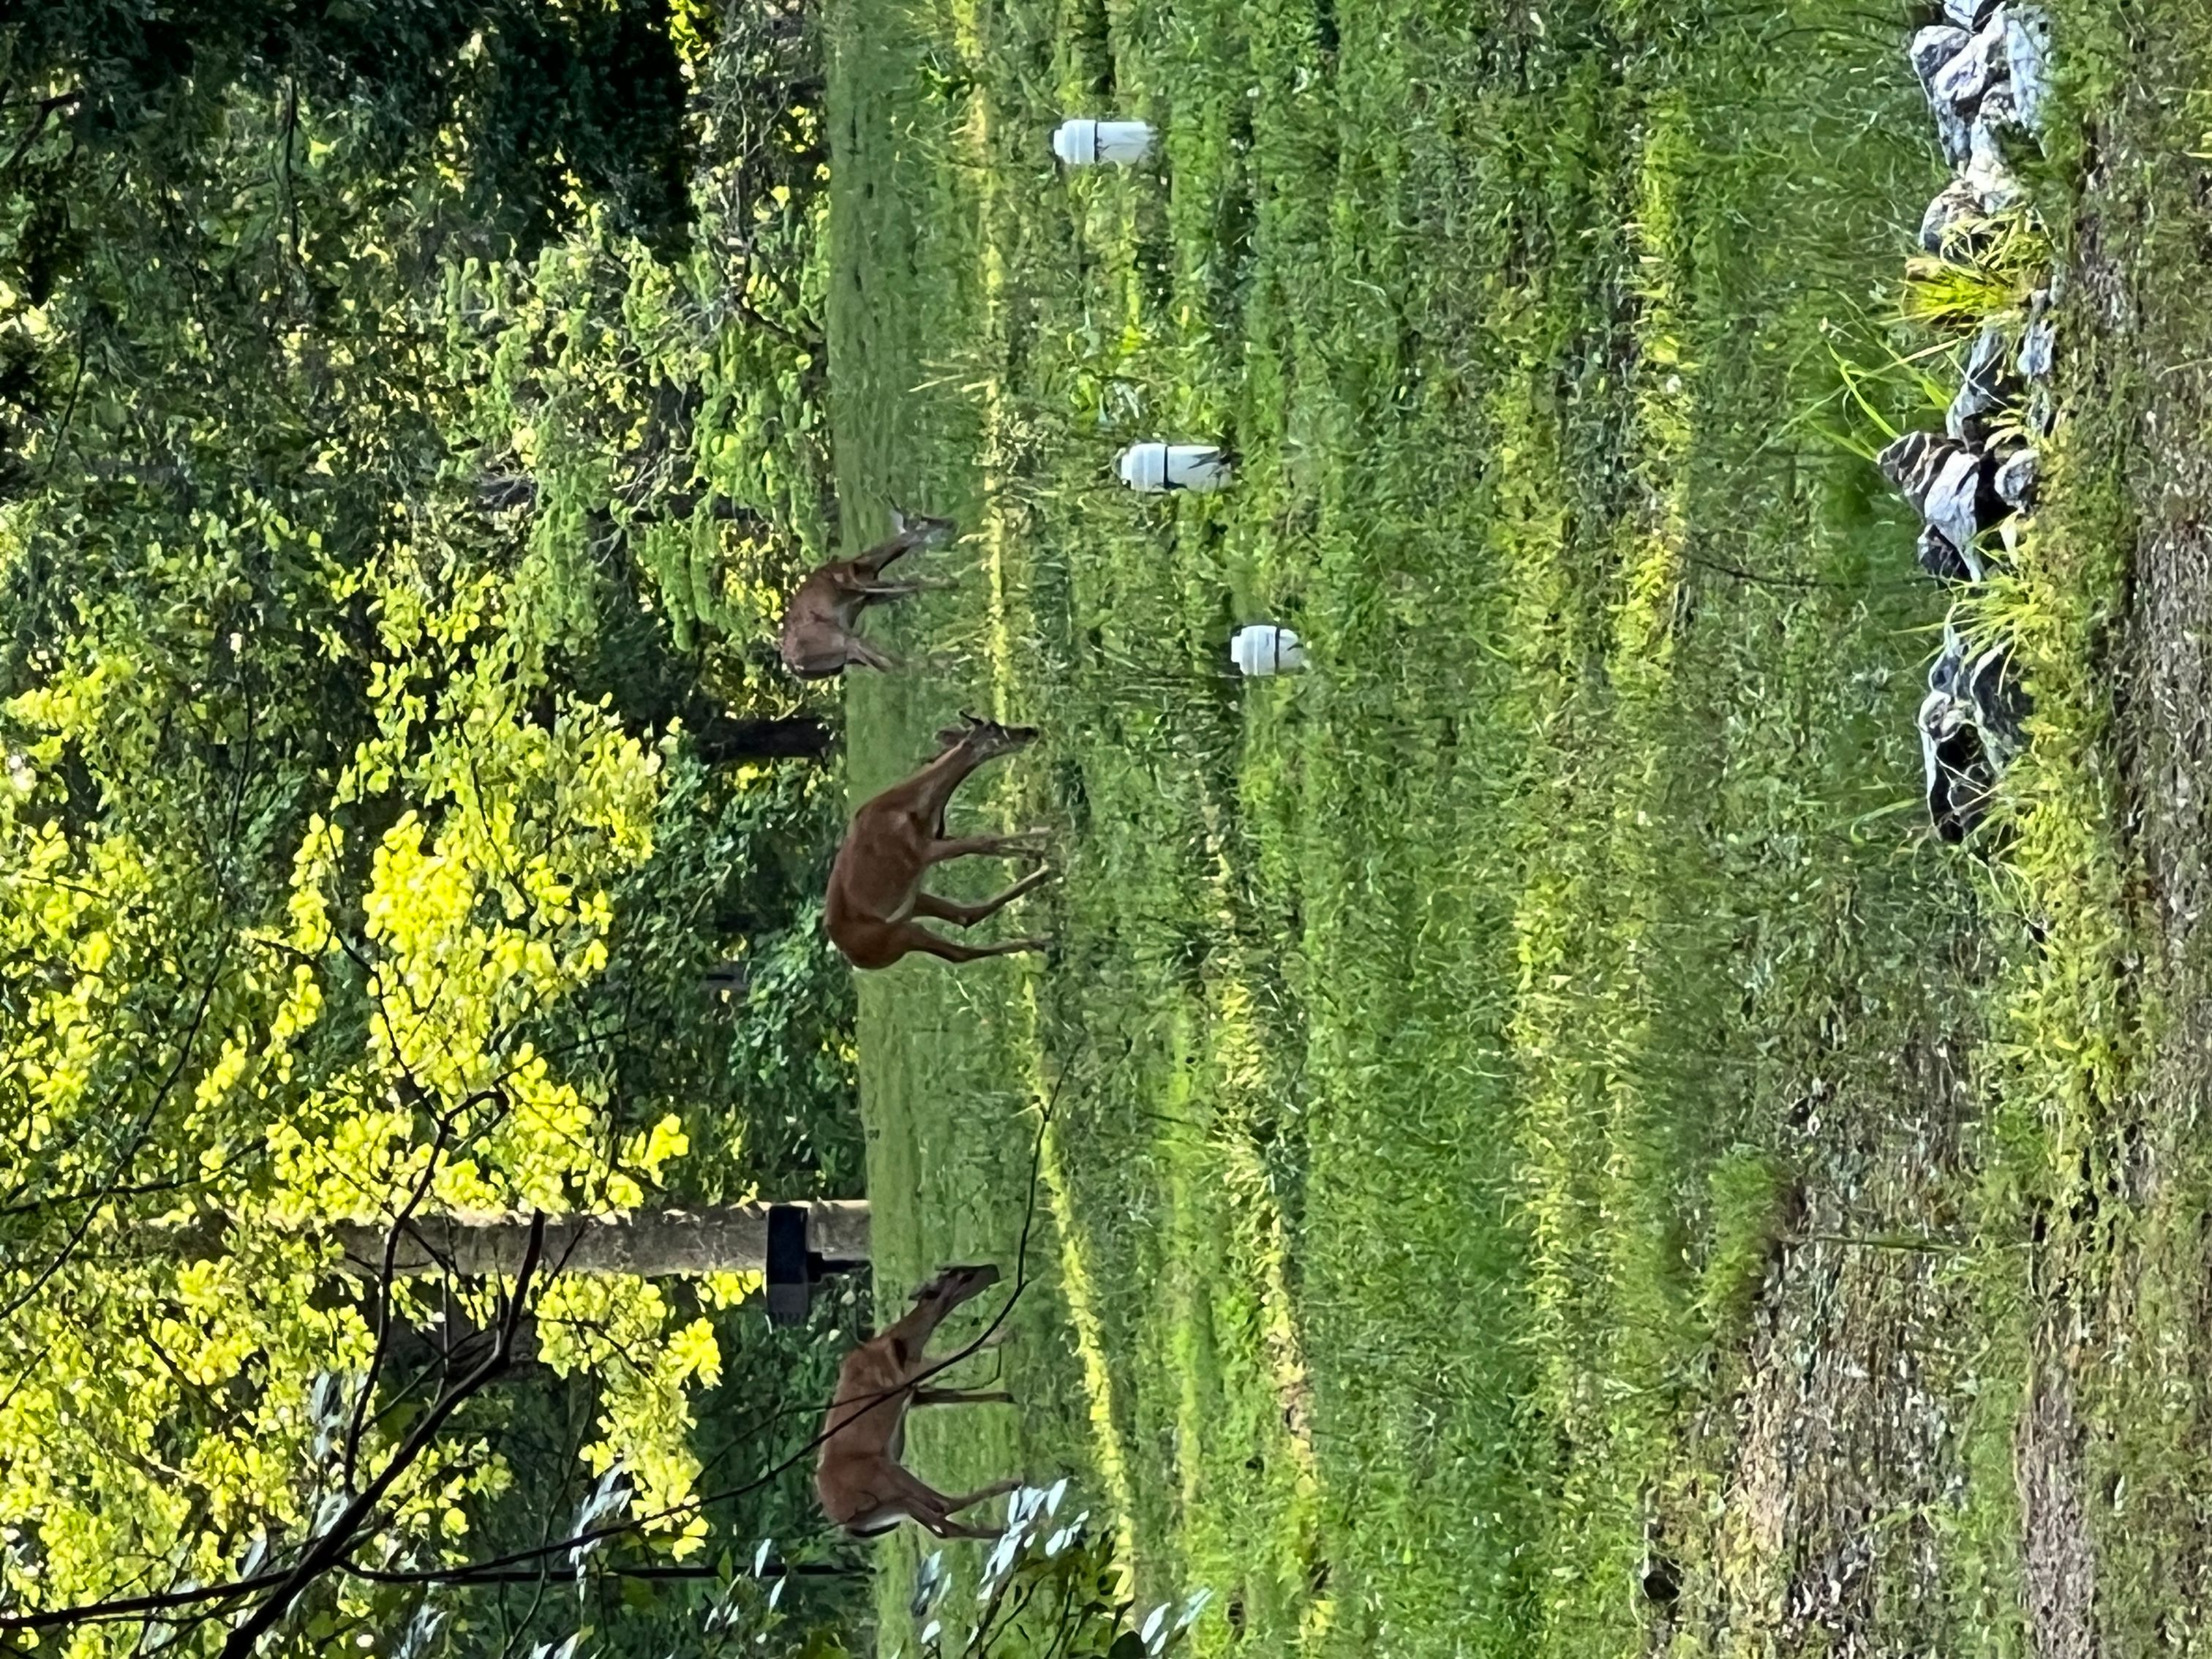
(1436, 1028)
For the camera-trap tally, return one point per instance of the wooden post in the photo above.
(644, 1244)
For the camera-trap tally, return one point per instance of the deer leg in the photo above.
(961, 1397)
(876, 592)
(909, 937)
(943, 851)
(996, 1489)
(944, 1526)
(931, 1509)
(966, 916)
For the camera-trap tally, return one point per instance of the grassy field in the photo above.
(1532, 1115)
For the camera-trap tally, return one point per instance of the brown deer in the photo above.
(863, 1486)
(818, 638)
(875, 886)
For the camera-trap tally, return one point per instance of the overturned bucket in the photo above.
(1083, 143)
(1159, 466)
(1263, 648)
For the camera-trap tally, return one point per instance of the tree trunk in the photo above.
(644, 1244)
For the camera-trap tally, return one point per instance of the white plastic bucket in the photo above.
(1263, 649)
(1082, 142)
(1159, 466)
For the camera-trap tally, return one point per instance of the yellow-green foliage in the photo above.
(453, 949)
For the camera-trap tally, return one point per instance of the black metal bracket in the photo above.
(794, 1268)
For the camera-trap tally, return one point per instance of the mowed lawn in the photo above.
(1441, 1045)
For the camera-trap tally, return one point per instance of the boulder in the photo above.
(1997, 114)
(2027, 62)
(1945, 562)
(1961, 503)
(1987, 173)
(2015, 481)
(1956, 225)
(1959, 777)
(1959, 85)
(1912, 462)
(2038, 345)
(1973, 725)
(1955, 135)
(2000, 704)
(1987, 388)
(1968, 14)
(1948, 484)
(1933, 47)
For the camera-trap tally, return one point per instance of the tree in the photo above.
(596, 92)
(364, 854)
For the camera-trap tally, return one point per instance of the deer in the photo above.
(818, 639)
(863, 1486)
(875, 885)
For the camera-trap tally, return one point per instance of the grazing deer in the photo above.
(863, 1486)
(818, 640)
(875, 886)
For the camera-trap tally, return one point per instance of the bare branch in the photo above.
(327, 1551)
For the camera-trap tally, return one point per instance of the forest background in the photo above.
(409, 416)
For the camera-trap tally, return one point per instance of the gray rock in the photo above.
(1973, 725)
(1933, 47)
(1967, 418)
(2027, 62)
(1968, 14)
(1954, 503)
(1999, 113)
(1947, 484)
(1988, 387)
(2015, 478)
(1959, 85)
(2039, 349)
(1945, 562)
(1955, 135)
(1987, 173)
(1912, 462)
(1959, 776)
(1956, 225)
(1999, 703)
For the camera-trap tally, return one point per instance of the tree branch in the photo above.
(327, 1551)
(384, 1292)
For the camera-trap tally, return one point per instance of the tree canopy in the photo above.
(405, 412)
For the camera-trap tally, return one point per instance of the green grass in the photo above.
(1443, 1043)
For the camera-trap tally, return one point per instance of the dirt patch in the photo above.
(2112, 1369)
(1846, 1458)
(2153, 341)
(2059, 1569)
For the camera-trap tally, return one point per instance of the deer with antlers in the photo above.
(819, 637)
(896, 839)
(863, 1486)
